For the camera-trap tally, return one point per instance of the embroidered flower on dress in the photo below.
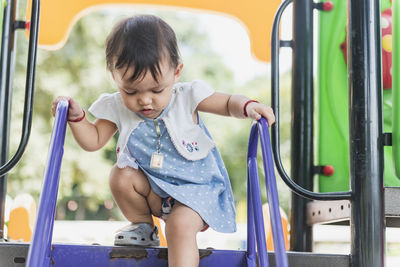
(190, 146)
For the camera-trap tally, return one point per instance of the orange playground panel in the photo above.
(57, 17)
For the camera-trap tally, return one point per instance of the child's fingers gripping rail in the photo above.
(256, 110)
(75, 112)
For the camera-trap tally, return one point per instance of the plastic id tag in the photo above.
(156, 160)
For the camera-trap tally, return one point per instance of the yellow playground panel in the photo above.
(57, 17)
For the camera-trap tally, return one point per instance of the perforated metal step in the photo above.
(338, 211)
(14, 254)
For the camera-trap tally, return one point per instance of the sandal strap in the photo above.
(154, 234)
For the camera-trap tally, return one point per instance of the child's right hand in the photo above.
(74, 109)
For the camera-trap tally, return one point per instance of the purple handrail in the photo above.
(40, 248)
(255, 222)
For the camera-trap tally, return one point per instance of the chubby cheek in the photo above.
(130, 104)
(158, 103)
(162, 101)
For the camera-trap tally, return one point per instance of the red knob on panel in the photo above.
(328, 170)
(27, 25)
(327, 6)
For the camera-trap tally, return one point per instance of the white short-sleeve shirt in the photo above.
(178, 120)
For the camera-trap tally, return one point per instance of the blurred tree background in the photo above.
(78, 70)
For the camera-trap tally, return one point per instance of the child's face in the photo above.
(145, 95)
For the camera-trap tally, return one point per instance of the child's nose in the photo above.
(145, 100)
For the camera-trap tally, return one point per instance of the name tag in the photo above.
(156, 160)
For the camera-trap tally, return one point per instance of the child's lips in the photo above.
(147, 112)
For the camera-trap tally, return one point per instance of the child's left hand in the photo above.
(257, 110)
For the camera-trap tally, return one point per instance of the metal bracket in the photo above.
(387, 139)
(19, 24)
(286, 43)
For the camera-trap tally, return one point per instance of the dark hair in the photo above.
(141, 42)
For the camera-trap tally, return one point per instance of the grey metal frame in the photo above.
(365, 119)
(366, 133)
(8, 42)
(302, 158)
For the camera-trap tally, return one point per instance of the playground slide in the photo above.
(333, 124)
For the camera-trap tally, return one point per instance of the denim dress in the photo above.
(203, 185)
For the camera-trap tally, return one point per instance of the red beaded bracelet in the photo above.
(79, 119)
(245, 106)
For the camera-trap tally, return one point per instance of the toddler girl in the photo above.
(167, 163)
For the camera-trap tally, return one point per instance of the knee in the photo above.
(179, 227)
(120, 179)
(128, 178)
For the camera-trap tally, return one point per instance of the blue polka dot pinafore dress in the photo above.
(202, 185)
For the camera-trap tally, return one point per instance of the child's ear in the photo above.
(178, 70)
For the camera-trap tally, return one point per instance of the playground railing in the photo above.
(275, 45)
(40, 247)
(7, 46)
(255, 221)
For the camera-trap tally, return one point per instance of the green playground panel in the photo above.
(396, 87)
(333, 124)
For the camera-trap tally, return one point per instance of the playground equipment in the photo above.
(41, 252)
(268, 227)
(256, 15)
(254, 209)
(333, 127)
(361, 143)
(22, 218)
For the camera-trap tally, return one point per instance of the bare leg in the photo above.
(133, 195)
(181, 229)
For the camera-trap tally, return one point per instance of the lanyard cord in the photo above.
(156, 124)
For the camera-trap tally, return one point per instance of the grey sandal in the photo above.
(138, 234)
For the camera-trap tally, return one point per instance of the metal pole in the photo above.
(6, 71)
(302, 121)
(365, 123)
